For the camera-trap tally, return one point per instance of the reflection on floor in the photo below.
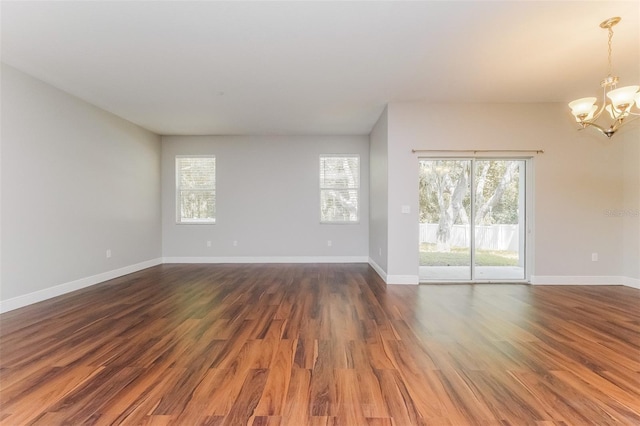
(463, 273)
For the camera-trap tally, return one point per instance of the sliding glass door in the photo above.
(445, 209)
(472, 219)
(499, 219)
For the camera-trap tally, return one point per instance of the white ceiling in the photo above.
(313, 67)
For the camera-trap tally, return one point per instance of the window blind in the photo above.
(339, 188)
(196, 189)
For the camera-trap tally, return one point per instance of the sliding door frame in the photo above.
(527, 226)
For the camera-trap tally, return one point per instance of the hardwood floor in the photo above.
(320, 345)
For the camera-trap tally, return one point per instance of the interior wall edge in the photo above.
(379, 270)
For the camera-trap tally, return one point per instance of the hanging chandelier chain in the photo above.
(610, 49)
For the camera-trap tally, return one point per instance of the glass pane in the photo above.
(445, 248)
(196, 173)
(338, 205)
(499, 224)
(197, 206)
(339, 172)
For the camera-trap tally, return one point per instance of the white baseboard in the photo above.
(576, 280)
(268, 259)
(403, 279)
(393, 279)
(389, 279)
(378, 269)
(631, 282)
(48, 293)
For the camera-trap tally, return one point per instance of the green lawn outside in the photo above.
(460, 257)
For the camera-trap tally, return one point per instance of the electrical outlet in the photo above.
(235, 243)
(108, 253)
(594, 257)
(208, 243)
(329, 243)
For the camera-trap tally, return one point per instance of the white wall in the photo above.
(379, 189)
(267, 199)
(631, 205)
(76, 181)
(577, 178)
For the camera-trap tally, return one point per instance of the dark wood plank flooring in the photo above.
(320, 345)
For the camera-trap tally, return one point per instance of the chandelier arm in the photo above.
(628, 120)
(595, 126)
(617, 116)
(616, 124)
(619, 122)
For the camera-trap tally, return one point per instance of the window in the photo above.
(339, 187)
(196, 189)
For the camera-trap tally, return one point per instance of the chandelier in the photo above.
(618, 102)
